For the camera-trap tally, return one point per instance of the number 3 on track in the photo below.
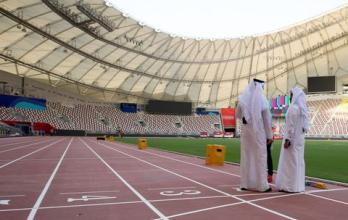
(185, 192)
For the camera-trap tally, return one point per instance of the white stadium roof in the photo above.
(98, 51)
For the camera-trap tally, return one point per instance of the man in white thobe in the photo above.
(256, 132)
(291, 168)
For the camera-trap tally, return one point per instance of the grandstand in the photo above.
(328, 119)
(102, 119)
(68, 68)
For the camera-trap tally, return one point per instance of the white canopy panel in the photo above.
(109, 56)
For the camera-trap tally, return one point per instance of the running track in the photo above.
(80, 178)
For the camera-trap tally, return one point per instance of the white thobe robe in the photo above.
(253, 161)
(291, 169)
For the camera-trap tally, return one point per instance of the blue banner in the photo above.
(10, 101)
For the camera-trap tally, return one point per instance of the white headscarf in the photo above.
(299, 99)
(252, 102)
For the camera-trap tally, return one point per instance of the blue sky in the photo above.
(223, 18)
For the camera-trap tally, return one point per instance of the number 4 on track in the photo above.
(88, 198)
(4, 202)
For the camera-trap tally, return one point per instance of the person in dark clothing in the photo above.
(269, 163)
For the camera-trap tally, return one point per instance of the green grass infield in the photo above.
(326, 159)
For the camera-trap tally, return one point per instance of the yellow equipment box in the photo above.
(142, 143)
(110, 138)
(320, 185)
(215, 155)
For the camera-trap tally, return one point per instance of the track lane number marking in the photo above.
(86, 198)
(179, 193)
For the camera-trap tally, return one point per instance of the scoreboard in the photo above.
(279, 105)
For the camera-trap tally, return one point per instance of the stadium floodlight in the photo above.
(94, 15)
(71, 16)
(108, 3)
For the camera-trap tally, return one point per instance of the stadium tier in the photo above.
(108, 118)
(328, 117)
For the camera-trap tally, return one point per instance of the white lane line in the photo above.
(42, 159)
(212, 197)
(9, 196)
(74, 206)
(158, 155)
(326, 198)
(45, 189)
(10, 144)
(232, 186)
(27, 145)
(259, 194)
(121, 203)
(153, 208)
(138, 171)
(184, 187)
(205, 167)
(326, 190)
(158, 200)
(229, 205)
(113, 203)
(87, 198)
(92, 204)
(201, 184)
(49, 159)
(90, 158)
(134, 202)
(187, 198)
(14, 210)
(197, 165)
(70, 193)
(35, 151)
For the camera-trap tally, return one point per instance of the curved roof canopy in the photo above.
(224, 18)
(96, 50)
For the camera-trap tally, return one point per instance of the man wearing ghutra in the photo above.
(291, 169)
(256, 132)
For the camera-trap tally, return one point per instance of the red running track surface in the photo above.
(81, 178)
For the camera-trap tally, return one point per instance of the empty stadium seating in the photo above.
(108, 118)
(328, 118)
